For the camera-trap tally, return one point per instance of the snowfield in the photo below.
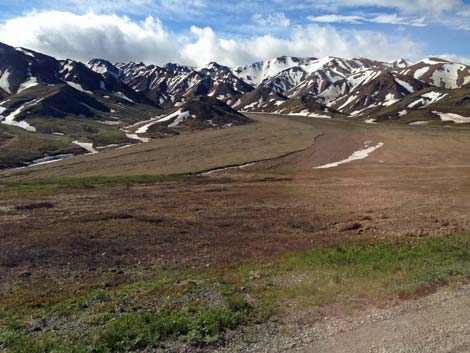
(447, 76)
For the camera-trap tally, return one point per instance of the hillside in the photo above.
(197, 114)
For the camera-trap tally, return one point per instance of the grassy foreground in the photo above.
(197, 306)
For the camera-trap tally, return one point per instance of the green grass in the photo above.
(27, 146)
(197, 306)
(373, 271)
(85, 129)
(163, 311)
(136, 331)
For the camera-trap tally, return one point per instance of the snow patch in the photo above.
(349, 101)
(170, 116)
(123, 96)
(389, 100)
(360, 154)
(136, 137)
(31, 81)
(458, 119)
(429, 61)
(78, 87)
(51, 159)
(306, 112)
(181, 118)
(405, 85)
(421, 72)
(242, 166)
(4, 84)
(10, 119)
(419, 122)
(427, 99)
(86, 146)
(26, 52)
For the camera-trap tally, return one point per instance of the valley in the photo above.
(51, 104)
(260, 249)
(292, 204)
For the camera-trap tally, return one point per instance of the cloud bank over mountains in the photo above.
(120, 38)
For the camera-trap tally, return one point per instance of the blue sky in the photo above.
(237, 32)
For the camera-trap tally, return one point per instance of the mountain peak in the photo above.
(104, 67)
(401, 63)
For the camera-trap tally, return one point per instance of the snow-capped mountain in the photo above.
(258, 72)
(104, 67)
(65, 100)
(439, 73)
(175, 84)
(329, 86)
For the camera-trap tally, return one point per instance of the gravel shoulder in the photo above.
(436, 323)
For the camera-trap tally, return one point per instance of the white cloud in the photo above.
(271, 20)
(140, 7)
(408, 6)
(416, 7)
(337, 19)
(116, 38)
(312, 40)
(377, 18)
(205, 46)
(454, 58)
(67, 35)
(398, 20)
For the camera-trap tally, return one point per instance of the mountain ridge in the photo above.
(282, 78)
(99, 102)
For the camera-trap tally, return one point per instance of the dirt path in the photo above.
(438, 323)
